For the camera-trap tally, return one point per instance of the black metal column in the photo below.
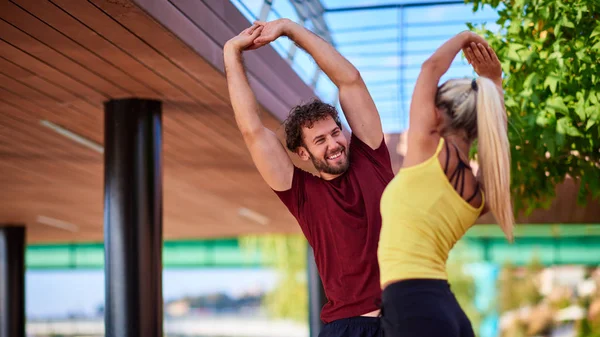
(316, 295)
(133, 218)
(12, 281)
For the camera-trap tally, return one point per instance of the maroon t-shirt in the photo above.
(341, 220)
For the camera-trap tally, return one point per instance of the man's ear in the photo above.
(302, 152)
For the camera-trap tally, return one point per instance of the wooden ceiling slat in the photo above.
(209, 180)
(110, 28)
(79, 54)
(253, 194)
(197, 201)
(34, 192)
(49, 73)
(39, 174)
(172, 48)
(44, 107)
(38, 144)
(37, 88)
(184, 142)
(50, 201)
(28, 132)
(51, 171)
(223, 140)
(216, 110)
(28, 44)
(96, 113)
(62, 96)
(159, 39)
(177, 51)
(78, 164)
(53, 206)
(214, 130)
(192, 158)
(92, 40)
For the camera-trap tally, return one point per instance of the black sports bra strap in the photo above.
(447, 156)
(454, 174)
(457, 170)
(473, 196)
(459, 173)
(462, 180)
(474, 193)
(460, 161)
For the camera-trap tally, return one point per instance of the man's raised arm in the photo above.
(269, 156)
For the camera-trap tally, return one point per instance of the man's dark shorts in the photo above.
(353, 327)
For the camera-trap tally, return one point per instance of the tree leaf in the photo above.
(567, 23)
(551, 82)
(596, 31)
(565, 126)
(550, 140)
(558, 104)
(594, 97)
(513, 52)
(580, 109)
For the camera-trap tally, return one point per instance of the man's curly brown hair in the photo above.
(306, 115)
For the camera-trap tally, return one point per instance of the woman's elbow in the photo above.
(431, 64)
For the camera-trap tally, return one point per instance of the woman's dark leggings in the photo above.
(423, 308)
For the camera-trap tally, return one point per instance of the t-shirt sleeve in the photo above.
(380, 156)
(295, 197)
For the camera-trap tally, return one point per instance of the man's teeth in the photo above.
(335, 155)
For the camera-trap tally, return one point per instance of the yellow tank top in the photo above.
(423, 217)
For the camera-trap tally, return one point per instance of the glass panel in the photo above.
(350, 36)
(249, 8)
(326, 89)
(434, 14)
(390, 47)
(362, 62)
(379, 75)
(304, 66)
(332, 4)
(285, 9)
(347, 20)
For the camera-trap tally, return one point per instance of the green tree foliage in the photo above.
(519, 288)
(589, 326)
(286, 254)
(550, 53)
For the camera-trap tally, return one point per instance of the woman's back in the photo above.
(425, 210)
(435, 198)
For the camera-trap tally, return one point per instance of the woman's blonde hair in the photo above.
(475, 108)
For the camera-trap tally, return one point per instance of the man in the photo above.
(338, 211)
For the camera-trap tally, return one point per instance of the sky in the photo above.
(51, 293)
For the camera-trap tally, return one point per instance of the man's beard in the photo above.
(323, 166)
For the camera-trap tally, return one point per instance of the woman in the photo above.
(435, 198)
